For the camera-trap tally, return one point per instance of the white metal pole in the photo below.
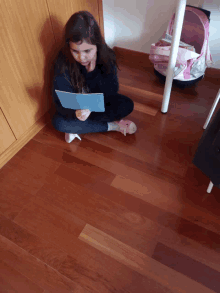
(178, 24)
(212, 109)
(210, 187)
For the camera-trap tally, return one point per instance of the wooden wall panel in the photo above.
(6, 135)
(26, 41)
(61, 11)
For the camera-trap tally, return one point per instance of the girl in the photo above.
(87, 65)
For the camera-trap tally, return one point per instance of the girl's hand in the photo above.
(82, 115)
(91, 66)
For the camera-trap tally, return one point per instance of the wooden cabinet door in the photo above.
(6, 134)
(26, 41)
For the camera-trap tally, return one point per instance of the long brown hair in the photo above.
(83, 26)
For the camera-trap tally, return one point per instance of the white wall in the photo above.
(214, 30)
(137, 24)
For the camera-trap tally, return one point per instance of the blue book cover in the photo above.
(93, 102)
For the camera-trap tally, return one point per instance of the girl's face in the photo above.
(83, 53)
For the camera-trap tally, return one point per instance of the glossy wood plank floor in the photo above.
(114, 213)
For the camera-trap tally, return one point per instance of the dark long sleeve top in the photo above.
(97, 82)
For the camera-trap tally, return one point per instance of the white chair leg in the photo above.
(210, 187)
(212, 109)
(178, 24)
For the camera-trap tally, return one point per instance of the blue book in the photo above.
(93, 102)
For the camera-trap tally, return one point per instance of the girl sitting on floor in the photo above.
(87, 65)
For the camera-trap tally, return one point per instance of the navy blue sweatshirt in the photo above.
(96, 81)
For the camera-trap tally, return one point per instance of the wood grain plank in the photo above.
(191, 248)
(165, 218)
(140, 225)
(191, 268)
(106, 152)
(96, 209)
(65, 157)
(152, 190)
(107, 158)
(12, 199)
(148, 188)
(175, 193)
(34, 269)
(144, 94)
(105, 274)
(208, 221)
(104, 144)
(143, 264)
(50, 221)
(34, 245)
(144, 101)
(126, 145)
(98, 148)
(12, 281)
(145, 109)
(81, 263)
(169, 197)
(177, 196)
(39, 168)
(10, 232)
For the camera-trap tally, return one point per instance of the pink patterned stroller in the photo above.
(193, 54)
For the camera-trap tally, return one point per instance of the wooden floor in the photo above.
(114, 213)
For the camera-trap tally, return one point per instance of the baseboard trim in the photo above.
(140, 59)
(132, 57)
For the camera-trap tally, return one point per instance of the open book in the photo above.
(93, 102)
